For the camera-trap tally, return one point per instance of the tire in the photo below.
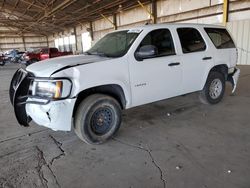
(97, 119)
(214, 89)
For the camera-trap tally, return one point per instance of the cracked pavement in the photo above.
(174, 143)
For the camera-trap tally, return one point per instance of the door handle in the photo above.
(173, 64)
(206, 58)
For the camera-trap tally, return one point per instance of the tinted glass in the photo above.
(37, 51)
(53, 50)
(220, 38)
(191, 40)
(45, 51)
(162, 40)
(114, 44)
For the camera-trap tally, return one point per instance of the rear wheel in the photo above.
(97, 119)
(214, 88)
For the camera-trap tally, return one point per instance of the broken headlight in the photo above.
(51, 89)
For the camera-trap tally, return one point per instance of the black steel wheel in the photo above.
(102, 120)
(97, 118)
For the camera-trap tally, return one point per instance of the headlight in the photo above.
(52, 89)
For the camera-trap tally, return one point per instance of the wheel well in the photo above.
(112, 90)
(222, 69)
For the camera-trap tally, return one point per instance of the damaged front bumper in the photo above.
(233, 78)
(56, 115)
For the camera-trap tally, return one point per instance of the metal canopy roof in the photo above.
(45, 17)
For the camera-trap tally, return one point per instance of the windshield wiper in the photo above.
(99, 54)
(87, 53)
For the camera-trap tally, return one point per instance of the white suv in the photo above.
(126, 68)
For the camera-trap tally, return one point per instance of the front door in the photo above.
(159, 76)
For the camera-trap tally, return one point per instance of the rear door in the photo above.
(196, 58)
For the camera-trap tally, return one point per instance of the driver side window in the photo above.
(162, 40)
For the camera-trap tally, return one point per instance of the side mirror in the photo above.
(145, 52)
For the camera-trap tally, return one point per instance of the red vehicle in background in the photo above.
(42, 54)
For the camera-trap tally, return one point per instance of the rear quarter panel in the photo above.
(44, 56)
(220, 57)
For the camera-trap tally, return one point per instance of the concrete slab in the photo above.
(172, 143)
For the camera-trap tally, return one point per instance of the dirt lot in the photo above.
(173, 143)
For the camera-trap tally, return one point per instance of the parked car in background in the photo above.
(2, 60)
(125, 69)
(11, 53)
(42, 54)
(13, 56)
(17, 58)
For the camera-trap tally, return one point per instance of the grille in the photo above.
(19, 77)
(19, 88)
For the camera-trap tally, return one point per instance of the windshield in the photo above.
(35, 51)
(114, 44)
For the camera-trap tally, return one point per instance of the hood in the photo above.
(47, 67)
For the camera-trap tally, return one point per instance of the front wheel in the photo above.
(97, 118)
(214, 88)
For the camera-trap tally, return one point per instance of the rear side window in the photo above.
(220, 38)
(45, 51)
(53, 50)
(191, 40)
